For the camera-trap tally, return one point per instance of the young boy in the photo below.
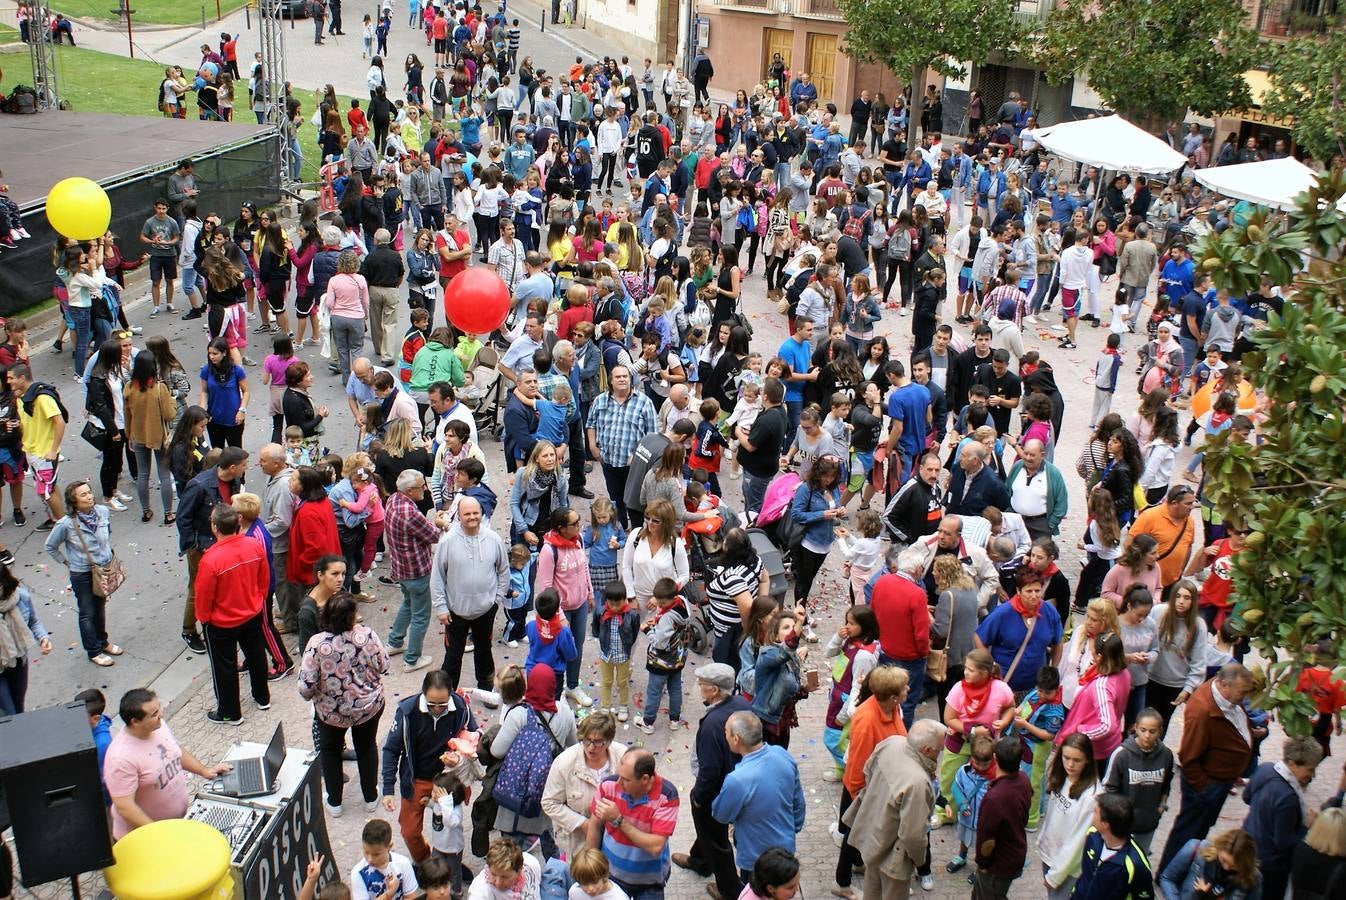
(666, 655)
(1329, 695)
(1112, 865)
(553, 418)
(708, 445)
(518, 600)
(333, 890)
(616, 631)
(550, 641)
(837, 423)
(94, 704)
(442, 878)
(590, 870)
(1106, 370)
(1201, 373)
(418, 333)
(1142, 771)
(296, 454)
(1038, 719)
(382, 874)
(1001, 843)
(446, 832)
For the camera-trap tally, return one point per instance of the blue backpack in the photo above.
(523, 774)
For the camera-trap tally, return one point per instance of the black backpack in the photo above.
(22, 101)
(795, 289)
(37, 389)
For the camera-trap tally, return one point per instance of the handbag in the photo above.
(937, 661)
(95, 435)
(106, 578)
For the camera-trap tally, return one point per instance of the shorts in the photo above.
(236, 326)
(44, 477)
(162, 267)
(861, 465)
(964, 279)
(275, 296)
(1070, 303)
(13, 466)
(190, 277)
(441, 45)
(304, 303)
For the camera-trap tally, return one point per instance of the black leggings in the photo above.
(754, 240)
(225, 435)
(111, 469)
(775, 272)
(331, 740)
(806, 566)
(488, 230)
(1161, 697)
(606, 171)
(848, 858)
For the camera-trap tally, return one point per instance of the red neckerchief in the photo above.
(548, 629)
(563, 543)
(1023, 610)
(610, 613)
(1089, 674)
(974, 698)
(990, 773)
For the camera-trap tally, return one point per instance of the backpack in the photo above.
(22, 101)
(791, 529)
(856, 225)
(635, 286)
(523, 774)
(37, 389)
(673, 656)
(900, 244)
(795, 290)
(611, 308)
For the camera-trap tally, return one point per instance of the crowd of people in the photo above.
(979, 680)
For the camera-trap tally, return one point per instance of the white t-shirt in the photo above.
(368, 882)
(529, 886)
(612, 893)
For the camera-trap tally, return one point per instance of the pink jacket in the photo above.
(1099, 713)
(566, 569)
(347, 296)
(1119, 580)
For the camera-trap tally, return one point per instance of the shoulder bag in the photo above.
(106, 578)
(937, 661)
(1014, 663)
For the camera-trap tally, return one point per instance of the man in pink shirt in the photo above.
(145, 770)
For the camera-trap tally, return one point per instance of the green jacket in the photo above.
(1058, 499)
(434, 362)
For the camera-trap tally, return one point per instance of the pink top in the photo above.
(1120, 579)
(367, 497)
(150, 771)
(1099, 713)
(1001, 695)
(274, 366)
(347, 296)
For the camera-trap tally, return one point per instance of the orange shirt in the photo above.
(1329, 694)
(869, 728)
(1155, 522)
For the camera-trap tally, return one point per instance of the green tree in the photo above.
(1152, 61)
(1308, 84)
(1290, 488)
(913, 36)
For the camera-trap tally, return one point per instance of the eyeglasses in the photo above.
(594, 742)
(654, 520)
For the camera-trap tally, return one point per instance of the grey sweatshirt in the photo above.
(1143, 778)
(469, 573)
(1173, 667)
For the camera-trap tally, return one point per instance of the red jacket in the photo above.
(232, 582)
(313, 535)
(904, 618)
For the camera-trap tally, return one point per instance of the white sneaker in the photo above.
(1030, 320)
(647, 727)
(679, 725)
(124, 497)
(513, 645)
(524, 639)
(831, 775)
(170, 308)
(154, 312)
(927, 883)
(580, 698)
(837, 837)
(333, 811)
(421, 662)
(116, 504)
(378, 557)
(623, 714)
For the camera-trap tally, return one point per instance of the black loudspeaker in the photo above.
(49, 769)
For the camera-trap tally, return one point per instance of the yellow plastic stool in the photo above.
(173, 859)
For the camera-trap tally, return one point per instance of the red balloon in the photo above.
(476, 301)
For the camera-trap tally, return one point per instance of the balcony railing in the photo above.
(812, 9)
(1293, 17)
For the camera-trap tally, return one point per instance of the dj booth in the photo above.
(272, 838)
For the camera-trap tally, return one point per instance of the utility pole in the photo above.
(272, 33)
(124, 12)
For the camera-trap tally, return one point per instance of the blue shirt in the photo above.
(223, 399)
(1176, 277)
(1003, 631)
(520, 588)
(908, 405)
(600, 554)
(764, 800)
(800, 357)
(556, 654)
(551, 422)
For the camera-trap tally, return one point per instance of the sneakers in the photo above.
(831, 775)
(169, 308)
(1030, 320)
(372, 805)
(195, 312)
(420, 663)
(927, 882)
(7, 558)
(837, 837)
(213, 715)
(193, 641)
(469, 647)
(579, 698)
(48, 525)
(679, 725)
(263, 706)
(394, 651)
(277, 673)
(513, 645)
(1067, 344)
(262, 328)
(623, 714)
(116, 503)
(646, 727)
(123, 496)
(956, 864)
(154, 312)
(333, 811)
(363, 576)
(378, 557)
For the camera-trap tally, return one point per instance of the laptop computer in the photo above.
(255, 776)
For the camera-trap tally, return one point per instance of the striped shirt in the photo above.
(655, 813)
(724, 587)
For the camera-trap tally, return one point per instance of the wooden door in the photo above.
(777, 40)
(822, 51)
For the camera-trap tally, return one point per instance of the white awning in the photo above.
(1272, 182)
(1110, 142)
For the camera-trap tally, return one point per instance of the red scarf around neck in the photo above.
(974, 699)
(549, 629)
(1023, 610)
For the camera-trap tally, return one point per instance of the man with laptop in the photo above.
(232, 582)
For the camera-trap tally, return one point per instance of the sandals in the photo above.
(170, 518)
(101, 659)
(147, 515)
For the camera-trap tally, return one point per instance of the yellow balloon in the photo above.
(79, 209)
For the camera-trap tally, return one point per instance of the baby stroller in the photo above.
(775, 505)
(483, 395)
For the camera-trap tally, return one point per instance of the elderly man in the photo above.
(677, 407)
(948, 539)
(520, 352)
(1037, 491)
(975, 485)
(918, 505)
(899, 603)
(423, 724)
(410, 538)
(397, 404)
(713, 758)
(889, 816)
(1277, 820)
(384, 270)
(617, 422)
(633, 815)
(762, 798)
(469, 577)
(556, 368)
(277, 515)
(1216, 745)
(360, 386)
(1176, 527)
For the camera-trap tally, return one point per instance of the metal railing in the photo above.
(809, 9)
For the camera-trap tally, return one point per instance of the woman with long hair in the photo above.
(738, 580)
(780, 240)
(1140, 640)
(79, 541)
(170, 371)
(654, 550)
(1123, 471)
(1100, 618)
(224, 395)
(728, 285)
(1318, 867)
(305, 297)
(104, 403)
(149, 413)
(1138, 565)
(347, 301)
(186, 448)
(778, 683)
(1099, 709)
(274, 270)
(402, 450)
(1224, 866)
(1180, 663)
(540, 488)
(18, 623)
(1069, 794)
(816, 504)
(227, 287)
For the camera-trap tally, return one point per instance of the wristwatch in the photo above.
(617, 822)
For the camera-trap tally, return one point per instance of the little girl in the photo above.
(367, 38)
(520, 596)
(863, 553)
(969, 787)
(273, 375)
(367, 500)
(689, 356)
(980, 702)
(447, 799)
(603, 538)
(1102, 543)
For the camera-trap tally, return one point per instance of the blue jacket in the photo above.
(102, 737)
(1063, 208)
(556, 654)
(763, 799)
(483, 495)
(915, 177)
(714, 760)
(1177, 881)
(524, 509)
(962, 176)
(417, 737)
(1123, 876)
(1275, 820)
(324, 267)
(628, 629)
(808, 506)
(775, 682)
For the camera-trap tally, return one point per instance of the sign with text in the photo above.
(297, 834)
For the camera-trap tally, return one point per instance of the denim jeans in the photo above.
(92, 614)
(412, 618)
(654, 692)
(1188, 355)
(793, 410)
(1197, 815)
(916, 686)
(754, 489)
(82, 318)
(296, 158)
(579, 627)
(160, 456)
(641, 891)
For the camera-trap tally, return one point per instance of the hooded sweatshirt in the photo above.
(1144, 778)
(1222, 324)
(469, 573)
(564, 565)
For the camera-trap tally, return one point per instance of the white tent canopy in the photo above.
(1110, 142)
(1272, 182)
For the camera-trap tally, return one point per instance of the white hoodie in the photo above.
(1065, 824)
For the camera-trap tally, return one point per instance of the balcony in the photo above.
(809, 9)
(1290, 18)
(1032, 13)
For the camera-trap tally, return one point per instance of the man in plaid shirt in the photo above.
(410, 538)
(617, 422)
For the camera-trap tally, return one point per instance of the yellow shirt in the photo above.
(39, 429)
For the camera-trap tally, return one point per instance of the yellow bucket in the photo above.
(173, 859)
